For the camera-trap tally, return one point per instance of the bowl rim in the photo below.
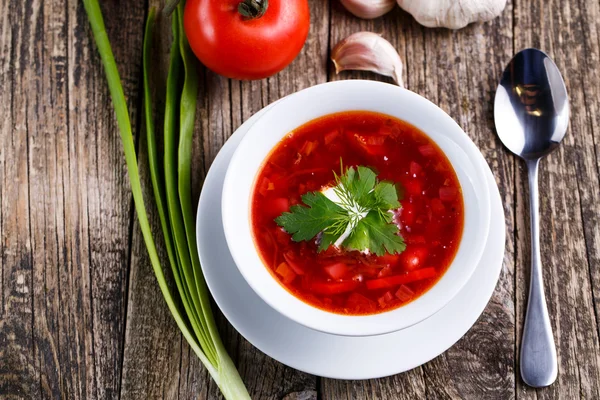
(312, 103)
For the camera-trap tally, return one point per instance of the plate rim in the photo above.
(232, 320)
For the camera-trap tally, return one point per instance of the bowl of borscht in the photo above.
(356, 208)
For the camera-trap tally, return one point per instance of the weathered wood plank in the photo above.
(97, 207)
(47, 146)
(568, 183)
(588, 159)
(19, 370)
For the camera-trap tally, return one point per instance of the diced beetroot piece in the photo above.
(357, 303)
(408, 214)
(437, 206)
(404, 293)
(337, 270)
(278, 206)
(395, 280)
(293, 265)
(427, 150)
(414, 239)
(374, 140)
(282, 237)
(308, 147)
(369, 271)
(385, 130)
(413, 187)
(286, 273)
(448, 193)
(385, 271)
(413, 257)
(312, 186)
(331, 251)
(264, 186)
(385, 299)
(414, 169)
(331, 136)
(329, 288)
(389, 259)
(360, 143)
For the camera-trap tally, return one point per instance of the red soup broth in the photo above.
(350, 282)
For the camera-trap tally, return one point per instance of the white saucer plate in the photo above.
(322, 354)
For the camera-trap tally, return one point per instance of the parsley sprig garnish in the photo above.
(361, 210)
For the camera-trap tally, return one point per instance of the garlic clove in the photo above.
(453, 14)
(368, 9)
(367, 51)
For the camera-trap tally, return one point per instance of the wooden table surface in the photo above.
(81, 315)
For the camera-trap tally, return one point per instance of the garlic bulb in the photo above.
(366, 51)
(368, 9)
(453, 14)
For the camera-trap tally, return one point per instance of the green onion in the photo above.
(154, 163)
(176, 217)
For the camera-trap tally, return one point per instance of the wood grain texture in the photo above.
(81, 315)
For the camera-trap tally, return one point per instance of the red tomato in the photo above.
(244, 48)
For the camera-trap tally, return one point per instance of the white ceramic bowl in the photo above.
(306, 105)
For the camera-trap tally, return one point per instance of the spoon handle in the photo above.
(538, 353)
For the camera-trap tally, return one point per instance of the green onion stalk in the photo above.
(171, 184)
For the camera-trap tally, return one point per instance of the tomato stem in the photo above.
(251, 9)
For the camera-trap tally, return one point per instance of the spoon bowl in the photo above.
(531, 113)
(531, 109)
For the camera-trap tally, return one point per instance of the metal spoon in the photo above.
(531, 112)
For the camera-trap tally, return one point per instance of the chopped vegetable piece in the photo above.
(358, 303)
(385, 271)
(385, 299)
(330, 288)
(331, 136)
(293, 265)
(396, 280)
(374, 140)
(448, 193)
(427, 150)
(337, 270)
(415, 169)
(389, 259)
(404, 294)
(437, 206)
(415, 239)
(413, 187)
(408, 214)
(308, 147)
(286, 273)
(279, 205)
(264, 186)
(413, 257)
